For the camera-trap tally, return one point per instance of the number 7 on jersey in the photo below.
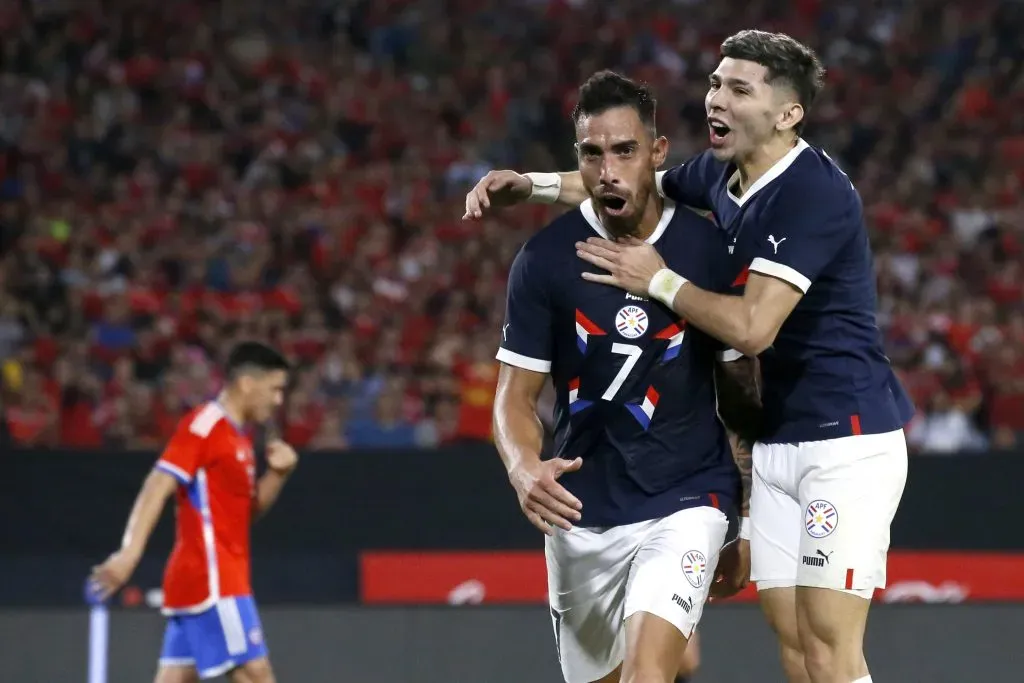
(632, 353)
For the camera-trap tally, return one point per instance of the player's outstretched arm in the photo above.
(519, 436)
(108, 577)
(499, 189)
(281, 462)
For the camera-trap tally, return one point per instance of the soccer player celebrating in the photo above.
(213, 627)
(831, 462)
(634, 502)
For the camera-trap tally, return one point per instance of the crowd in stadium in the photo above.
(178, 176)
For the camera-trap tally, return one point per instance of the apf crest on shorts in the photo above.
(631, 322)
(694, 567)
(821, 519)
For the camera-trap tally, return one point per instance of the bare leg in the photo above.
(779, 607)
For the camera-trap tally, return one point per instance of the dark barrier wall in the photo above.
(926, 644)
(61, 512)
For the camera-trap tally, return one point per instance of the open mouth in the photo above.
(719, 131)
(613, 204)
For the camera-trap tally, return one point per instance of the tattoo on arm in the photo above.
(739, 406)
(742, 453)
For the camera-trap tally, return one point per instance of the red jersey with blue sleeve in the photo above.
(212, 459)
(635, 385)
(826, 375)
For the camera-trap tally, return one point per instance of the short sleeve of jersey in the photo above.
(183, 455)
(526, 337)
(803, 233)
(689, 183)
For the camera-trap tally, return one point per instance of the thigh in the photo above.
(835, 619)
(690, 661)
(775, 517)
(226, 636)
(671, 574)
(176, 654)
(849, 493)
(587, 574)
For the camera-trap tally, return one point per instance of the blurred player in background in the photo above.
(634, 502)
(831, 463)
(213, 627)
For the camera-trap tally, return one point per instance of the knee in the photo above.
(827, 656)
(258, 671)
(793, 665)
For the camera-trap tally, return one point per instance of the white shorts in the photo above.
(820, 511)
(598, 577)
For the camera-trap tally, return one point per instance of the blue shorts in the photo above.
(223, 637)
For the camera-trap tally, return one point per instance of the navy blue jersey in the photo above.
(635, 385)
(826, 375)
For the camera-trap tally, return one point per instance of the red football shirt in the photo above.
(213, 461)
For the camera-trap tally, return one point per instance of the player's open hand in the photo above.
(107, 578)
(544, 501)
(733, 572)
(281, 457)
(631, 263)
(495, 190)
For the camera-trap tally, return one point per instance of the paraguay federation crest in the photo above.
(694, 567)
(631, 321)
(821, 519)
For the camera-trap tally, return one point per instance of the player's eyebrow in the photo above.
(731, 82)
(617, 147)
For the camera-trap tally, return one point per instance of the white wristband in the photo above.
(745, 528)
(546, 187)
(664, 286)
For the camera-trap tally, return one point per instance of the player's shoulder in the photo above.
(690, 221)
(202, 420)
(565, 229)
(814, 175)
(705, 164)
(555, 242)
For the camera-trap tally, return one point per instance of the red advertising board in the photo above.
(519, 577)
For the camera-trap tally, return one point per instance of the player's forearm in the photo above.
(728, 318)
(268, 488)
(738, 389)
(518, 433)
(739, 405)
(569, 185)
(146, 511)
(743, 455)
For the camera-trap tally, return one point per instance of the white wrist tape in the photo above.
(546, 187)
(664, 286)
(745, 528)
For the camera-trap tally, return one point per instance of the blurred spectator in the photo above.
(385, 428)
(944, 428)
(175, 177)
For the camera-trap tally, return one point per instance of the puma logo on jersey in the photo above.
(634, 297)
(775, 245)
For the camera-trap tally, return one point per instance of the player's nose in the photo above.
(609, 174)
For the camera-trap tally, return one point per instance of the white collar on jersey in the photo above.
(669, 210)
(780, 167)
